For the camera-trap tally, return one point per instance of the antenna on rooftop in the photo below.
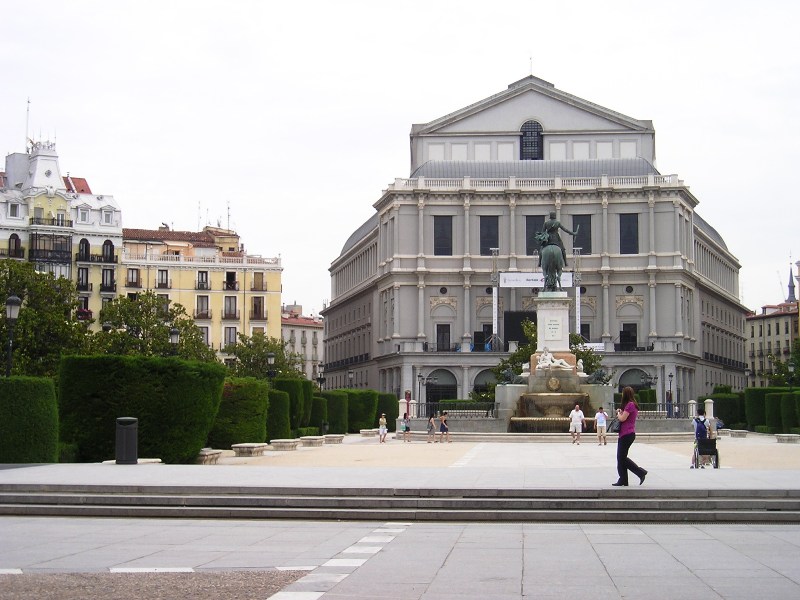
(531, 60)
(229, 216)
(27, 121)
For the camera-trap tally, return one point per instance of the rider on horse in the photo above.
(549, 236)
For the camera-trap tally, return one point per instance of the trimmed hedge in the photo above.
(648, 399)
(28, 420)
(175, 401)
(293, 387)
(242, 415)
(337, 410)
(308, 394)
(388, 403)
(728, 408)
(772, 411)
(278, 424)
(788, 412)
(361, 408)
(319, 411)
(754, 405)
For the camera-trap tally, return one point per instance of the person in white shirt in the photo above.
(576, 423)
(600, 424)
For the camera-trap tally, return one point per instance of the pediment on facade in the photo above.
(532, 99)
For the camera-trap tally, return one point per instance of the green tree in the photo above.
(141, 326)
(252, 358)
(47, 326)
(781, 373)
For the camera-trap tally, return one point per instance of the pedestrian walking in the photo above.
(406, 428)
(432, 428)
(600, 419)
(577, 421)
(382, 428)
(627, 434)
(444, 429)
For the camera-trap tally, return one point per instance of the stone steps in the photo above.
(557, 505)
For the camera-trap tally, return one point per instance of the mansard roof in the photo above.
(712, 233)
(536, 169)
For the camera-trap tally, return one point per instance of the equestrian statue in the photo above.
(552, 255)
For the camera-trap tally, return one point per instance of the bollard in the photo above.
(127, 441)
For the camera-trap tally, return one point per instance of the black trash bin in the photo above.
(127, 441)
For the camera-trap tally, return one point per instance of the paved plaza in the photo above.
(305, 560)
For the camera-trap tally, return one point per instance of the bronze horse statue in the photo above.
(552, 262)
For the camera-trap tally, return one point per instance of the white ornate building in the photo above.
(412, 288)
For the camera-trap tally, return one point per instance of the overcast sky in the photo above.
(293, 117)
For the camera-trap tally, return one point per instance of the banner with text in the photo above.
(530, 280)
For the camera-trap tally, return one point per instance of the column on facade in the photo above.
(653, 311)
(421, 307)
(512, 236)
(396, 310)
(676, 233)
(678, 311)
(604, 233)
(467, 252)
(606, 310)
(463, 392)
(466, 315)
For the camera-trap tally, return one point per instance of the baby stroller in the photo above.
(705, 452)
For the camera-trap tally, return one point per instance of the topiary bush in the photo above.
(308, 394)
(754, 405)
(727, 407)
(388, 403)
(319, 411)
(242, 415)
(337, 410)
(361, 409)
(28, 420)
(788, 412)
(772, 411)
(278, 425)
(175, 401)
(293, 387)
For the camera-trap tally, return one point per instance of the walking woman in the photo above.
(627, 434)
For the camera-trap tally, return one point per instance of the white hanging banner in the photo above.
(531, 280)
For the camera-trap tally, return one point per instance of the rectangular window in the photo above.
(83, 215)
(489, 234)
(442, 338)
(202, 280)
(443, 236)
(628, 337)
(13, 210)
(629, 233)
(230, 335)
(133, 278)
(164, 298)
(204, 334)
(583, 224)
(533, 225)
(108, 281)
(202, 311)
(586, 332)
(163, 279)
(258, 308)
(108, 217)
(230, 311)
(83, 279)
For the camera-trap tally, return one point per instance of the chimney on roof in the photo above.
(164, 227)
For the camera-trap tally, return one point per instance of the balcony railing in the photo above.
(108, 287)
(52, 222)
(258, 315)
(164, 285)
(12, 252)
(458, 410)
(96, 258)
(230, 315)
(230, 285)
(83, 314)
(202, 314)
(632, 348)
(133, 283)
(258, 287)
(59, 256)
(83, 286)
(202, 285)
(526, 183)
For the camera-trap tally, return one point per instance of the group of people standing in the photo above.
(626, 416)
(405, 428)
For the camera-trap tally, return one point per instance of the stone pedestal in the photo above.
(552, 322)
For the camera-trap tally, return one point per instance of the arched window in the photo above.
(531, 146)
(108, 251)
(14, 246)
(84, 249)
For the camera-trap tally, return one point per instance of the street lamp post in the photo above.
(791, 376)
(320, 377)
(174, 338)
(350, 376)
(423, 381)
(669, 396)
(13, 304)
(270, 363)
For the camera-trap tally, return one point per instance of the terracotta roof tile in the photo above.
(77, 185)
(197, 238)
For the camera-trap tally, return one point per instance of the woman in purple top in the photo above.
(627, 433)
